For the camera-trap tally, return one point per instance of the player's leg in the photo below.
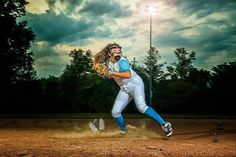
(139, 97)
(120, 103)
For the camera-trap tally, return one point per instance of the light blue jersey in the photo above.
(121, 66)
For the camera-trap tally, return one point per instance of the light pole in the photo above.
(150, 64)
(150, 13)
(150, 10)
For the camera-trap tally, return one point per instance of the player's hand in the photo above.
(110, 74)
(105, 70)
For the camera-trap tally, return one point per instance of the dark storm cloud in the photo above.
(208, 40)
(202, 8)
(45, 50)
(47, 60)
(218, 38)
(75, 24)
(211, 35)
(108, 8)
(70, 5)
(47, 67)
(56, 28)
(172, 39)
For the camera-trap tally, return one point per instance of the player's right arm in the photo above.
(125, 75)
(124, 70)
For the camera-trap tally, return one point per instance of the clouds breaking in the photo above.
(206, 27)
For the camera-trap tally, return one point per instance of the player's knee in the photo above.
(115, 113)
(142, 107)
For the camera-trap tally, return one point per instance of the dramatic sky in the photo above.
(207, 27)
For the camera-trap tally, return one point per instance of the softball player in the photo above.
(131, 86)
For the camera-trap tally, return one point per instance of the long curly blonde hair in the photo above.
(102, 55)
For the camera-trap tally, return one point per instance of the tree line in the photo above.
(181, 88)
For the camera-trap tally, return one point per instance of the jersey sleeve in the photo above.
(109, 66)
(124, 65)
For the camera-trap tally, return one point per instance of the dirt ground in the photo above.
(72, 137)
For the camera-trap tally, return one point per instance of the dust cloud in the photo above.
(135, 130)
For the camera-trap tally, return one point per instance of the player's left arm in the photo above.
(124, 70)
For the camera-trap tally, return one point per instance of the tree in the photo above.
(200, 77)
(80, 65)
(16, 63)
(223, 87)
(153, 66)
(181, 68)
(73, 79)
(223, 76)
(153, 70)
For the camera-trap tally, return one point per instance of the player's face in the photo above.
(115, 54)
(116, 50)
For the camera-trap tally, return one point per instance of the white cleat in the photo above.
(122, 132)
(167, 129)
(101, 124)
(92, 127)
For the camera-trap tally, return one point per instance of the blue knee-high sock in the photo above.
(121, 122)
(154, 115)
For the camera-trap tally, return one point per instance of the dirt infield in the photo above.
(72, 137)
